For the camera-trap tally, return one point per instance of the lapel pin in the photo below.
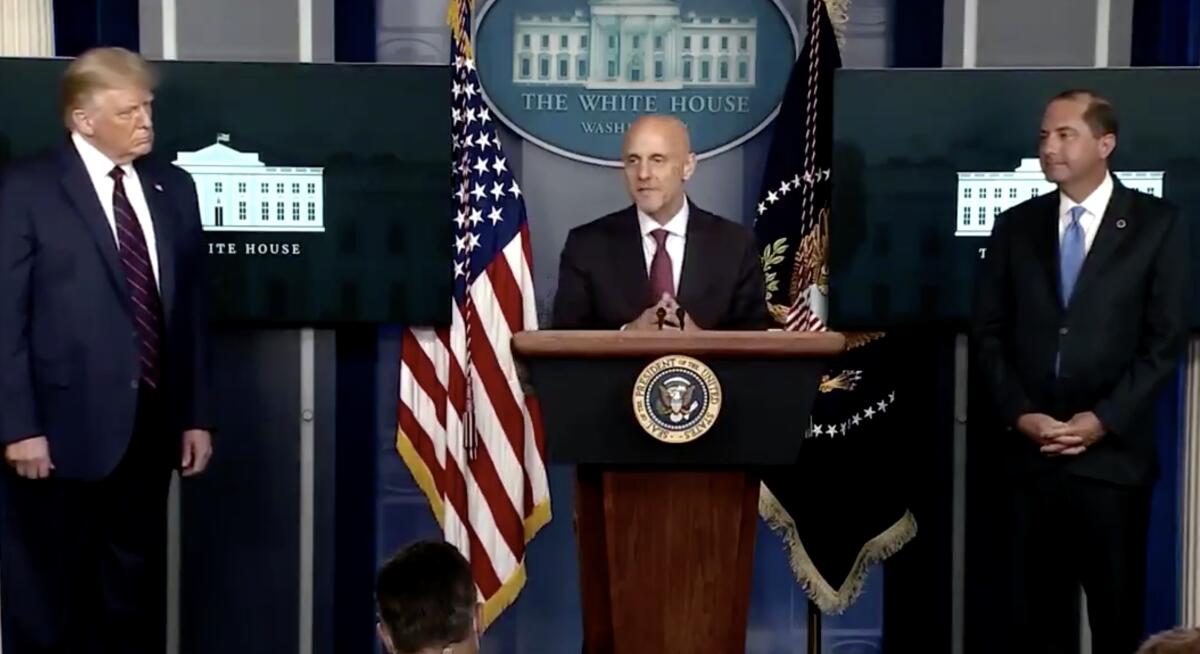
(158, 187)
(1121, 223)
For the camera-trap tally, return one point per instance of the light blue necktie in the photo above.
(1071, 253)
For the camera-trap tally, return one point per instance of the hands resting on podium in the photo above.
(664, 314)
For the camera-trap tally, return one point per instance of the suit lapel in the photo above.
(1109, 236)
(1046, 242)
(632, 278)
(82, 194)
(162, 217)
(697, 249)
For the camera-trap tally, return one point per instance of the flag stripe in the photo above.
(496, 385)
(502, 283)
(520, 264)
(534, 464)
(485, 576)
(418, 433)
(492, 437)
(424, 373)
(504, 513)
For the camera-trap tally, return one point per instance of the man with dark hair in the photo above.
(1080, 317)
(427, 601)
(1099, 113)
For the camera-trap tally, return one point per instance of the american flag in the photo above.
(466, 429)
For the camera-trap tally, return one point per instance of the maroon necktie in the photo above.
(662, 280)
(143, 291)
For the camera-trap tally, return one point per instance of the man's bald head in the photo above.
(667, 127)
(658, 159)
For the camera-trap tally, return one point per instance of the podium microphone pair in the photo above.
(662, 317)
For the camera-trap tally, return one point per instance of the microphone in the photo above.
(679, 313)
(662, 317)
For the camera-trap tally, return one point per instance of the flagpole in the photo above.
(814, 628)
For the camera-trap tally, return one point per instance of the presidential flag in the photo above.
(468, 432)
(840, 507)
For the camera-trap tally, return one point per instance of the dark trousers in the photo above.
(1072, 532)
(83, 563)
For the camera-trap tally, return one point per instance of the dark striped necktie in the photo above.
(143, 291)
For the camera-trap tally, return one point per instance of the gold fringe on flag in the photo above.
(839, 15)
(459, 32)
(830, 600)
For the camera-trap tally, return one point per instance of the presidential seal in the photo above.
(677, 399)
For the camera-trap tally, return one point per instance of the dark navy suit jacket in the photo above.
(69, 365)
(1119, 338)
(602, 280)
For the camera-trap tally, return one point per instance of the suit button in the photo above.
(1063, 331)
(133, 384)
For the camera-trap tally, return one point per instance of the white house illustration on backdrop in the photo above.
(239, 193)
(984, 195)
(634, 44)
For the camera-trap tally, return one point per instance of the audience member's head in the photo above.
(1175, 641)
(427, 602)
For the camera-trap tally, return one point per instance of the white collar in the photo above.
(1095, 204)
(677, 225)
(97, 163)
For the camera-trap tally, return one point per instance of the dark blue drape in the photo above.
(1166, 33)
(915, 34)
(354, 30)
(1164, 545)
(83, 24)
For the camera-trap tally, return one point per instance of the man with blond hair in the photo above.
(103, 368)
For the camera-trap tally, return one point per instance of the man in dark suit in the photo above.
(103, 364)
(661, 254)
(1080, 316)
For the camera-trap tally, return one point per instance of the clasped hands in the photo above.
(1057, 438)
(649, 319)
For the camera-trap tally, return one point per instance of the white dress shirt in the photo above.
(676, 240)
(1094, 205)
(98, 167)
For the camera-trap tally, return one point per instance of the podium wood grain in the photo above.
(689, 535)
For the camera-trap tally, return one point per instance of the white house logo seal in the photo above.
(571, 75)
(676, 399)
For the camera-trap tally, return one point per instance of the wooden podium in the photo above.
(666, 530)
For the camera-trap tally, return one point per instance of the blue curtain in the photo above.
(1166, 33)
(915, 34)
(354, 30)
(1164, 545)
(83, 24)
